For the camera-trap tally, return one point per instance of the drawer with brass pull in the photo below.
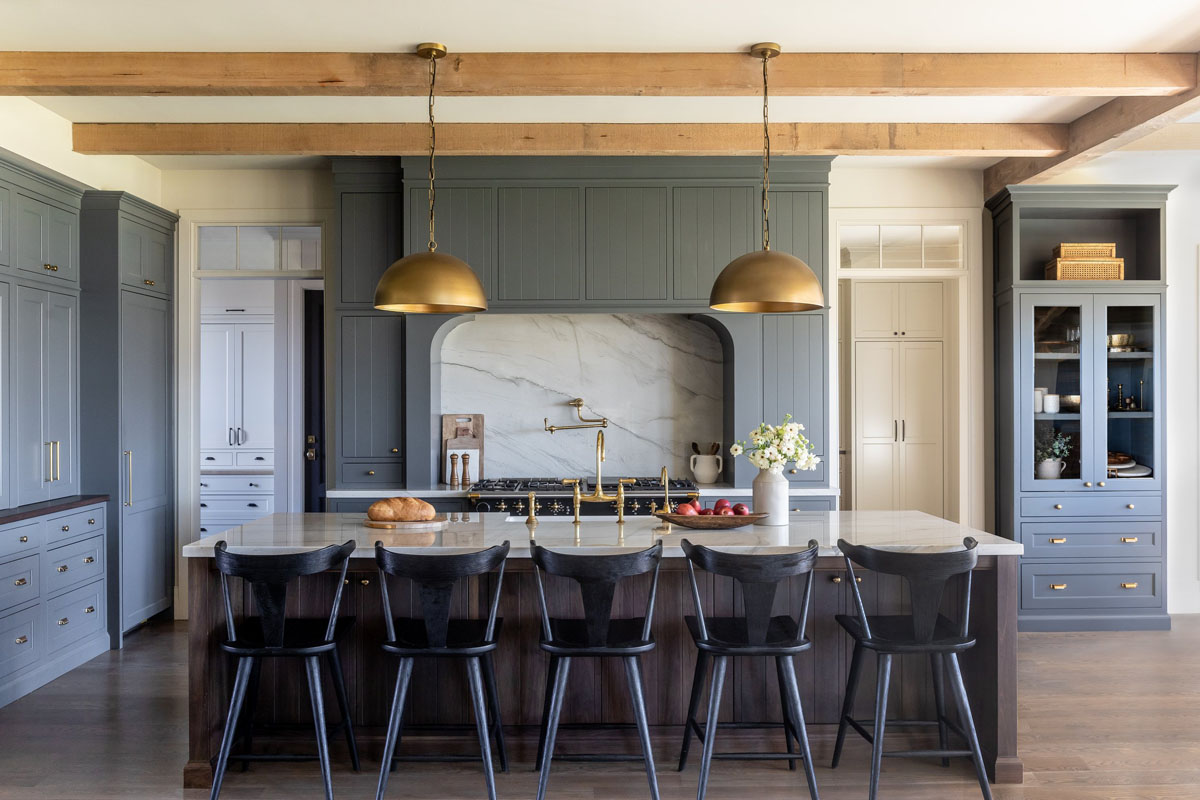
(21, 536)
(19, 581)
(1117, 584)
(73, 564)
(376, 473)
(1098, 539)
(74, 615)
(20, 640)
(75, 524)
(1092, 505)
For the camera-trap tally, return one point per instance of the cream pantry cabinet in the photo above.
(899, 427)
(237, 387)
(894, 309)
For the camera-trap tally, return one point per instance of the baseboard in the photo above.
(143, 614)
(38, 675)
(1083, 622)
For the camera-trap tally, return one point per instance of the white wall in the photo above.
(33, 131)
(210, 189)
(1183, 355)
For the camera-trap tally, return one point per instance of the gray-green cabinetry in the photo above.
(370, 371)
(6, 373)
(539, 239)
(793, 360)
(5, 226)
(128, 340)
(1092, 511)
(47, 238)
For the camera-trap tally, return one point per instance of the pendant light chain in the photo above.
(766, 200)
(432, 150)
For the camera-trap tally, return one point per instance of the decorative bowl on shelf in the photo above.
(1069, 402)
(710, 522)
(1120, 340)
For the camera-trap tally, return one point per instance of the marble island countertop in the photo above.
(444, 491)
(896, 530)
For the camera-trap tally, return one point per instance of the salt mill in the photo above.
(466, 473)
(454, 469)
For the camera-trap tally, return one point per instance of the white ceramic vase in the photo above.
(771, 497)
(1047, 469)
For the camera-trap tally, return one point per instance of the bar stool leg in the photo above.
(339, 688)
(797, 714)
(551, 672)
(882, 683)
(393, 730)
(787, 716)
(848, 702)
(475, 676)
(245, 665)
(317, 696)
(939, 699)
(633, 676)
(689, 726)
(968, 722)
(710, 723)
(248, 711)
(556, 703)
(489, 682)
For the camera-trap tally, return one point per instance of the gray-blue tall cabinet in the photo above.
(127, 446)
(1080, 407)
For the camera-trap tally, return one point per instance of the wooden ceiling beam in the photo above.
(561, 139)
(586, 74)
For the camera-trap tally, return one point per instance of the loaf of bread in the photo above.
(401, 509)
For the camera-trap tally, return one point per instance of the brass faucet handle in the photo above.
(627, 481)
(574, 483)
(570, 481)
(532, 519)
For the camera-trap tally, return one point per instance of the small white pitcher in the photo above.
(707, 469)
(1050, 468)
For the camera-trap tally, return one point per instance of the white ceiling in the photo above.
(612, 25)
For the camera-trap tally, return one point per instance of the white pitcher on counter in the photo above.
(707, 469)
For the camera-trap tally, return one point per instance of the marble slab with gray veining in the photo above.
(656, 377)
(444, 491)
(909, 531)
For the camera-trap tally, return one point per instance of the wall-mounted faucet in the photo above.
(577, 404)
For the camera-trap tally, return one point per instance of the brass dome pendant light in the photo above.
(766, 280)
(430, 282)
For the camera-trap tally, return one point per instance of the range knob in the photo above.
(556, 507)
(519, 507)
(502, 506)
(635, 506)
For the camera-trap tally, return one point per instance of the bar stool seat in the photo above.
(569, 637)
(301, 637)
(731, 636)
(894, 634)
(464, 638)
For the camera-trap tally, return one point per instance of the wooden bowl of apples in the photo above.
(723, 516)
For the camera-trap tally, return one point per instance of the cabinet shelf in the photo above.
(1146, 355)
(1130, 415)
(1056, 356)
(1060, 415)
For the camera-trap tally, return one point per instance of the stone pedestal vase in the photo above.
(771, 497)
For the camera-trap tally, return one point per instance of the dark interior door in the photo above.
(314, 400)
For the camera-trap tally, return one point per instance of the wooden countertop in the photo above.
(50, 507)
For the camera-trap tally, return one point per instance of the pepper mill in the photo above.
(1120, 397)
(454, 469)
(466, 473)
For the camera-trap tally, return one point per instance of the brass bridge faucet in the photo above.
(598, 495)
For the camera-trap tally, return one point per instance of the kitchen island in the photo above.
(440, 698)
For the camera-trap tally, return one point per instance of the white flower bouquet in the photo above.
(773, 446)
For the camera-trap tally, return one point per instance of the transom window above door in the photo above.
(900, 247)
(259, 248)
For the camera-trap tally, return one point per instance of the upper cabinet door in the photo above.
(6, 447)
(466, 228)
(540, 243)
(6, 233)
(62, 246)
(371, 364)
(876, 310)
(217, 386)
(146, 397)
(798, 227)
(793, 361)
(158, 260)
(256, 386)
(61, 375)
(921, 310)
(1128, 347)
(32, 235)
(712, 226)
(31, 460)
(371, 238)
(626, 243)
(131, 252)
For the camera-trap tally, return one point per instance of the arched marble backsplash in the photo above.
(657, 377)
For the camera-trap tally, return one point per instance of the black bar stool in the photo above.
(924, 630)
(597, 635)
(273, 635)
(756, 633)
(436, 635)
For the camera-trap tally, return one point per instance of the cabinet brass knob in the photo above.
(91, 522)
(1100, 484)
(90, 610)
(1059, 540)
(89, 560)
(63, 568)
(836, 579)
(1058, 587)
(1087, 483)
(1058, 506)
(20, 581)
(1130, 585)
(395, 449)
(66, 528)
(793, 470)
(21, 640)
(23, 539)
(1129, 539)
(148, 282)
(1130, 506)
(365, 582)
(370, 472)
(64, 621)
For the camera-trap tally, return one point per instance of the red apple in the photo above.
(741, 509)
(687, 509)
(706, 512)
(722, 503)
(726, 512)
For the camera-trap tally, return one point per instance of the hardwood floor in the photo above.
(1112, 716)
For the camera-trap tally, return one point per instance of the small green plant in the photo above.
(1051, 445)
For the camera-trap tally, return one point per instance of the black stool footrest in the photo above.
(273, 757)
(927, 753)
(598, 757)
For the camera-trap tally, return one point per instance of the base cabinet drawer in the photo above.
(21, 536)
(252, 507)
(73, 564)
(242, 484)
(20, 640)
(1092, 504)
(265, 459)
(1091, 586)
(70, 526)
(368, 474)
(1099, 539)
(74, 616)
(216, 458)
(19, 581)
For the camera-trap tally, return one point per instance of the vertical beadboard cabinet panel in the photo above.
(466, 228)
(626, 246)
(712, 225)
(793, 353)
(540, 243)
(372, 355)
(371, 238)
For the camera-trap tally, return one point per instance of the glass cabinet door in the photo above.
(1128, 424)
(1056, 393)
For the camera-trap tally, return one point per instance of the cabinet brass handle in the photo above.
(129, 477)
(836, 579)
(20, 581)
(1130, 585)
(21, 640)
(23, 539)
(57, 460)
(1058, 587)
(66, 528)
(1129, 539)
(90, 610)
(148, 282)
(91, 522)
(1130, 506)
(64, 621)
(63, 568)
(365, 581)
(1058, 506)
(1058, 540)
(51, 267)
(89, 560)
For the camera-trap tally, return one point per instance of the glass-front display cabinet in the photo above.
(1088, 390)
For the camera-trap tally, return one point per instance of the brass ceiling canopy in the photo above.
(430, 282)
(766, 280)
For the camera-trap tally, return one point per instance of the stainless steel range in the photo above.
(554, 498)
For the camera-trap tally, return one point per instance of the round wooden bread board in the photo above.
(710, 522)
(436, 524)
